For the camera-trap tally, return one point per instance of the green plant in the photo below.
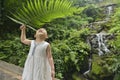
(70, 53)
(115, 22)
(38, 12)
(94, 12)
(13, 51)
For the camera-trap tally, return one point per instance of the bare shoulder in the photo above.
(48, 45)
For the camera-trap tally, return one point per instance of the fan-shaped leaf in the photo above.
(38, 12)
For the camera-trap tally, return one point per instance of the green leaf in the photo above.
(38, 12)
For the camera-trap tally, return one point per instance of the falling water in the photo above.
(109, 11)
(102, 48)
(86, 73)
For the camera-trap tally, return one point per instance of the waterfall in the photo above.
(86, 73)
(98, 41)
(102, 48)
(109, 11)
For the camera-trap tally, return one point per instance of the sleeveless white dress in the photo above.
(37, 66)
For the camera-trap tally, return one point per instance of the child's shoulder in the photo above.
(47, 42)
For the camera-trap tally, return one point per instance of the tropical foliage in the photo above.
(38, 12)
(115, 22)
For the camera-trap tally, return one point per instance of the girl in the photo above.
(39, 64)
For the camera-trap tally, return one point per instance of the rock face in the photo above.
(6, 76)
(9, 71)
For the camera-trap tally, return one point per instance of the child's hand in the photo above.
(19, 77)
(22, 27)
(53, 75)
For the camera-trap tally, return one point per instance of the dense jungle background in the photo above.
(74, 42)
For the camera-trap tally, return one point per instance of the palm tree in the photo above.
(36, 13)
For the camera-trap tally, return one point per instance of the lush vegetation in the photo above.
(68, 38)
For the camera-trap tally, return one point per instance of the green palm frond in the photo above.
(39, 12)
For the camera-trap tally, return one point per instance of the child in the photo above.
(39, 64)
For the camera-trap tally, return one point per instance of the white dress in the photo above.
(37, 66)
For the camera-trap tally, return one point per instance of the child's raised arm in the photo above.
(23, 35)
